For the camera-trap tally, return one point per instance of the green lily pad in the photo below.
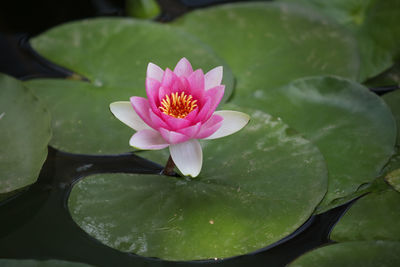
(377, 185)
(353, 128)
(393, 101)
(349, 254)
(389, 78)
(144, 9)
(266, 46)
(392, 169)
(393, 178)
(38, 263)
(24, 135)
(256, 187)
(375, 24)
(270, 44)
(393, 164)
(113, 54)
(373, 217)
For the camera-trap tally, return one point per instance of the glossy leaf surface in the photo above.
(24, 135)
(113, 54)
(393, 101)
(256, 187)
(373, 217)
(353, 128)
(270, 44)
(375, 25)
(349, 254)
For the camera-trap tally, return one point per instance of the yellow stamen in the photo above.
(178, 106)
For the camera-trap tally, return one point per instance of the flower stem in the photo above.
(169, 167)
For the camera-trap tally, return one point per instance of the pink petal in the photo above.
(152, 89)
(177, 86)
(196, 83)
(154, 72)
(212, 98)
(183, 68)
(172, 85)
(163, 92)
(148, 139)
(192, 115)
(213, 78)
(188, 157)
(210, 127)
(168, 78)
(184, 81)
(215, 94)
(173, 137)
(185, 86)
(175, 123)
(203, 112)
(157, 122)
(191, 131)
(142, 108)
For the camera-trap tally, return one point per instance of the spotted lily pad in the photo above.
(349, 254)
(375, 24)
(38, 263)
(270, 44)
(24, 135)
(256, 187)
(113, 55)
(353, 128)
(373, 217)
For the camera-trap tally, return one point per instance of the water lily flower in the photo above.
(179, 110)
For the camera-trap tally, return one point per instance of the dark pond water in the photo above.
(36, 223)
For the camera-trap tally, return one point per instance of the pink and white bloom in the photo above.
(179, 110)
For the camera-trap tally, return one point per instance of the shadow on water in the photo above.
(36, 223)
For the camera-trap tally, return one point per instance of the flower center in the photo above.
(178, 106)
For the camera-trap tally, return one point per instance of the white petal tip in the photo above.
(154, 72)
(148, 139)
(123, 111)
(233, 122)
(117, 103)
(188, 157)
(213, 77)
(193, 174)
